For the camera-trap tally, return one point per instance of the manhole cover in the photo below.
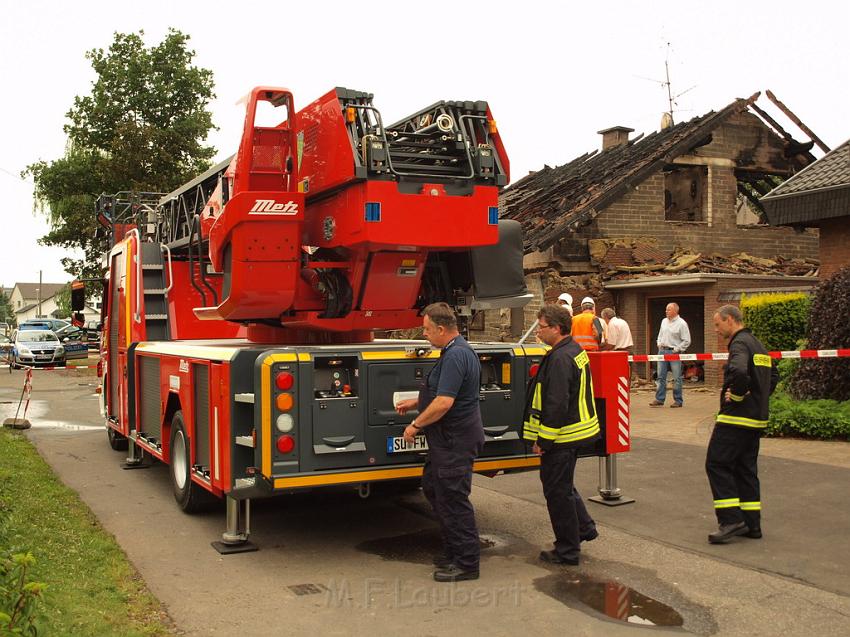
(307, 589)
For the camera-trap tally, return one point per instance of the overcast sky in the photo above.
(553, 73)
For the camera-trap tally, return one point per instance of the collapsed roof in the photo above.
(555, 201)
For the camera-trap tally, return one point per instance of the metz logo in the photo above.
(271, 207)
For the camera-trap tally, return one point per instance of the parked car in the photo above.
(34, 347)
(5, 348)
(43, 324)
(93, 328)
(75, 341)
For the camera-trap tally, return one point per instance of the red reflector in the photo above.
(284, 381)
(532, 371)
(285, 444)
(100, 368)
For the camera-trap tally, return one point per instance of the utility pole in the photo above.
(39, 293)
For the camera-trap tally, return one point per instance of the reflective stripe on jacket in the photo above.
(583, 333)
(560, 408)
(751, 377)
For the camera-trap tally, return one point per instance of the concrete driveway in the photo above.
(334, 564)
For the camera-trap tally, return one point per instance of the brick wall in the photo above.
(741, 139)
(834, 246)
(641, 213)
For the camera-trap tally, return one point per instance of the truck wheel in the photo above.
(190, 497)
(116, 440)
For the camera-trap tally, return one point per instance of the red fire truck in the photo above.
(240, 309)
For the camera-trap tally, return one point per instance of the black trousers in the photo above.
(569, 517)
(447, 482)
(732, 467)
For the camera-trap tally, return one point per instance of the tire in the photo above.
(117, 441)
(190, 496)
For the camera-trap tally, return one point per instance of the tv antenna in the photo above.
(668, 85)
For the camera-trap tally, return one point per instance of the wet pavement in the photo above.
(332, 563)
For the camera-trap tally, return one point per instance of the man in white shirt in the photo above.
(618, 335)
(674, 337)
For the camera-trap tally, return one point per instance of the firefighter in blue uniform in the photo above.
(560, 416)
(749, 379)
(450, 418)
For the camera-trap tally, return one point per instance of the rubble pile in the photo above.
(628, 258)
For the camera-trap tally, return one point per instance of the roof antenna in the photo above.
(671, 99)
(667, 120)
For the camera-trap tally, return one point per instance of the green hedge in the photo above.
(778, 320)
(824, 419)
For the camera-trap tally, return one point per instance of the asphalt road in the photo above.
(332, 563)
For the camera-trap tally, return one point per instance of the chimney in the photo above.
(615, 136)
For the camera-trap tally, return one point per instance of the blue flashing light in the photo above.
(373, 211)
(493, 215)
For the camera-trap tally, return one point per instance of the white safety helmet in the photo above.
(566, 298)
(588, 301)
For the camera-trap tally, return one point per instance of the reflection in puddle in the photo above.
(611, 598)
(419, 547)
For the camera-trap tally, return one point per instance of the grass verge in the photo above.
(92, 589)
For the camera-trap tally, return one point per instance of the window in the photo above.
(686, 194)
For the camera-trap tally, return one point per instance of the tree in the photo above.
(827, 377)
(7, 313)
(63, 302)
(142, 127)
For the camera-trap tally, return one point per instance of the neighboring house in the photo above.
(673, 216)
(818, 196)
(26, 298)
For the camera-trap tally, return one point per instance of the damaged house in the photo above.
(673, 216)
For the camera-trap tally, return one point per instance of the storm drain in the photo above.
(308, 589)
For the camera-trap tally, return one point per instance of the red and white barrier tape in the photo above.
(804, 353)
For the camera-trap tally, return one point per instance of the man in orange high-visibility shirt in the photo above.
(587, 329)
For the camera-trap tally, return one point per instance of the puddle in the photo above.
(36, 412)
(419, 547)
(58, 424)
(610, 598)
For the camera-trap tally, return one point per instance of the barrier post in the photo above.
(612, 384)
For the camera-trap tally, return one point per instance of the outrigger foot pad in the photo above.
(227, 549)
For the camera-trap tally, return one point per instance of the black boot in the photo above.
(454, 573)
(727, 531)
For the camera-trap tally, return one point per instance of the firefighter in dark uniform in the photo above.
(749, 379)
(450, 418)
(560, 416)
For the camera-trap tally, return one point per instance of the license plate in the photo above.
(398, 445)
(44, 357)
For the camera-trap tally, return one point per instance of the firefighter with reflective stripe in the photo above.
(587, 328)
(560, 416)
(731, 462)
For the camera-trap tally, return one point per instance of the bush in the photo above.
(827, 378)
(825, 419)
(778, 320)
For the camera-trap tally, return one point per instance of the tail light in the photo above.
(532, 371)
(284, 381)
(285, 444)
(100, 368)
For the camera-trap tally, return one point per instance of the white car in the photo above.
(37, 347)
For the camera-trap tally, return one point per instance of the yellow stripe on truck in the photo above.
(127, 296)
(266, 402)
(266, 410)
(388, 474)
(400, 354)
